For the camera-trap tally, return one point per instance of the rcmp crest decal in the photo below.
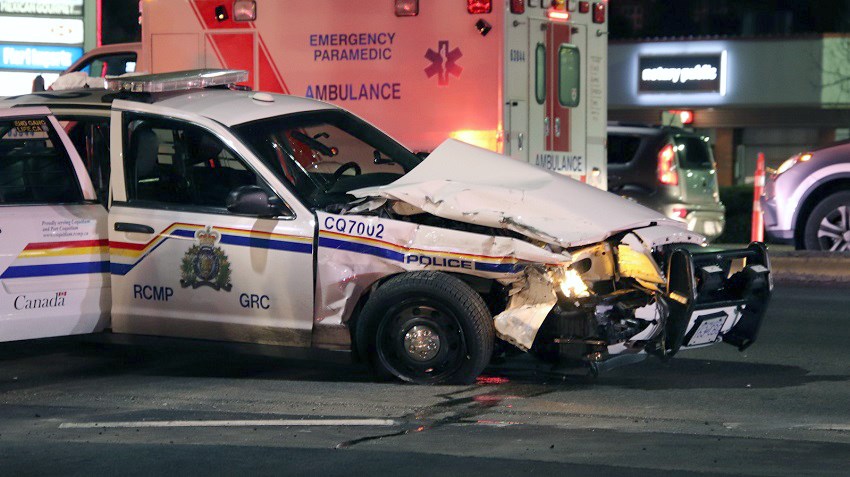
(205, 264)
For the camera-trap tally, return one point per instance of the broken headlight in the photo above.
(571, 284)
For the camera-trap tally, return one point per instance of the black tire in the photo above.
(426, 328)
(828, 226)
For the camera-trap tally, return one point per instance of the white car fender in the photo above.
(355, 251)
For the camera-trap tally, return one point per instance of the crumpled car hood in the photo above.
(466, 183)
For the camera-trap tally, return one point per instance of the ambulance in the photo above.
(265, 218)
(523, 77)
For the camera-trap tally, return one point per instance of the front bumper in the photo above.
(770, 209)
(715, 296)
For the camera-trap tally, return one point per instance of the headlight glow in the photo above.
(572, 286)
(790, 162)
(786, 165)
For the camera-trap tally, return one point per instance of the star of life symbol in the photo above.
(205, 264)
(443, 62)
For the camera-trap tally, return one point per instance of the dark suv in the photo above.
(668, 169)
(807, 200)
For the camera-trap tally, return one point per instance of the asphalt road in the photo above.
(78, 406)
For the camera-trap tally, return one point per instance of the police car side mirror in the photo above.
(253, 200)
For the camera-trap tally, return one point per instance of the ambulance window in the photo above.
(177, 165)
(113, 64)
(540, 73)
(568, 76)
(34, 166)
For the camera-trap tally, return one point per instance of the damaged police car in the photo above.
(253, 217)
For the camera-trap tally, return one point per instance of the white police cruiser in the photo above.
(252, 217)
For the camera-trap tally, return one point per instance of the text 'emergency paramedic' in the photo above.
(374, 46)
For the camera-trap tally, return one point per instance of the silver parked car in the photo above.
(668, 169)
(806, 201)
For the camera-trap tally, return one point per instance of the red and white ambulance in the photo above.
(522, 77)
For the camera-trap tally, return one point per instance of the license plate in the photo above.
(708, 329)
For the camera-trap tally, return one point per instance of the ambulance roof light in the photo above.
(479, 6)
(599, 12)
(176, 81)
(558, 11)
(558, 15)
(406, 8)
(244, 10)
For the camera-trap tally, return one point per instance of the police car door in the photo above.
(53, 242)
(185, 265)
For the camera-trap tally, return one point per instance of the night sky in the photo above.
(660, 18)
(121, 21)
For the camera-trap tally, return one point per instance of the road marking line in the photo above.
(254, 423)
(828, 427)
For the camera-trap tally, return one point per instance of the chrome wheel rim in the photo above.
(834, 230)
(422, 343)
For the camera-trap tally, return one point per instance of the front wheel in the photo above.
(828, 226)
(427, 328)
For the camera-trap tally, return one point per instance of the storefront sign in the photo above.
(43, 7)
(41, 30)
(32, 57)
(682, 74)
(20, 82)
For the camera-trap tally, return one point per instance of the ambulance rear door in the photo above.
(53, 243)
(557, 112)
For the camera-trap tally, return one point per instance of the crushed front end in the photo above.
(570, 273)
(637, 294)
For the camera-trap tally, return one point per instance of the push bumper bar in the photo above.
(713, 296)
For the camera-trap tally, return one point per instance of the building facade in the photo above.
(43, 38)
(776, 95)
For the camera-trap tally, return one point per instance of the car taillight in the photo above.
(667, 173)
(406, 8)
(517, 6)
(599, 13)
(685, 116)
(680, 212)
(479, 6)
(583, 7)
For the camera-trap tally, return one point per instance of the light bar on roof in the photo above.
(176, 81)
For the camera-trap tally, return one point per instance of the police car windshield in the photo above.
(327, 153)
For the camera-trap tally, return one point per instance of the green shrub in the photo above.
(739, 211)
